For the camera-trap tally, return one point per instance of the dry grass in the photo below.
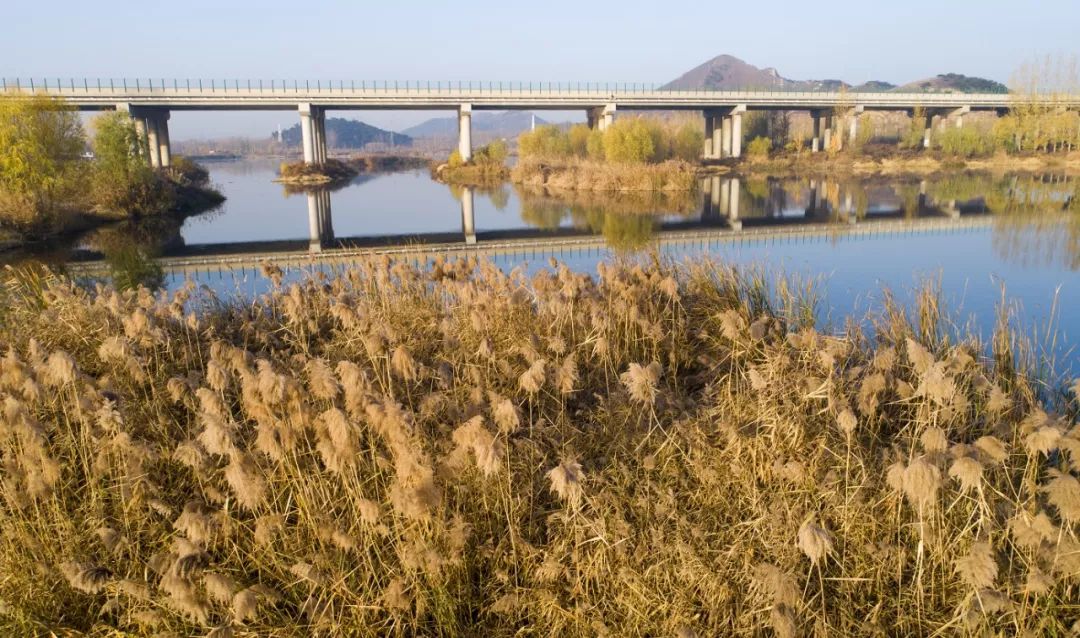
(458, 451)
(594, 175)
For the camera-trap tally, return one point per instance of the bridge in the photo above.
(151, 101)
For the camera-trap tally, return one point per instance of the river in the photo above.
(982, 238)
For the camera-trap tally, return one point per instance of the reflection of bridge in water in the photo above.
(731, 211)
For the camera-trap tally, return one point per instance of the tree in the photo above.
(629, 141)
(121, 180)
(41, 141)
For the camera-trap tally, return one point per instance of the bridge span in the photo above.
(151, 101)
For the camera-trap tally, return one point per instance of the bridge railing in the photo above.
(277, 86)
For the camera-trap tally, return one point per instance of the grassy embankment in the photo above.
(458, 451)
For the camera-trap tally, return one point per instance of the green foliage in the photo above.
(455, 160)
(759, 148)
(578, 138)
(688, 142)
(629, 141)
(120, 178)
(547, 141)
(493, 154)
(634, 140)
(964, 142)
(131, 266)
(41, 141)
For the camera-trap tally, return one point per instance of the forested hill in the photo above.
(342, 133)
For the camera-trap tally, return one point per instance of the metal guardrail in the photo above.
(211, 85)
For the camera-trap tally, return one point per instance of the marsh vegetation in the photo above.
(454, 450)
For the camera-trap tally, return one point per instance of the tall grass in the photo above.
(459, 451)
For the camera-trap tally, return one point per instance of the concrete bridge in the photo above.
(151, 101)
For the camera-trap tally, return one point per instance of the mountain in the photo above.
(508, 124)
(727, 72)
(954, 83)
(342, 133)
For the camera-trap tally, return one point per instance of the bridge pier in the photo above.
(164, 146)
(307, 135)
(465, 132)
(710, 128)
(152, 143)
(600, 117)
(815, 141)
(957, 116)
(853, 131)
(320, 220)
(736, 131)
(318, 129)
(468, 216)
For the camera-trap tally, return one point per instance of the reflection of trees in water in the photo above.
(1037, 221)
(627, 221)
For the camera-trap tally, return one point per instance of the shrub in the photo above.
(759, 148)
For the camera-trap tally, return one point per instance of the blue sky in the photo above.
(553, 40)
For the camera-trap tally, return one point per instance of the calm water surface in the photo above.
(974, 234)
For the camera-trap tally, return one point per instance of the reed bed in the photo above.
(456, 451)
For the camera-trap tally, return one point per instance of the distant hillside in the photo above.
(508, 124)
(726, 72)
(954, 83)
(342, 133)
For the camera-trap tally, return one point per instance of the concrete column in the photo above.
(718, 136)
(152, 142)
(465, 132)
(592, 117)
(320, 220)
(707, 152)
(725, 136)
(307, 132)
(853, 132)
(725, 197)
(733, 208)
(319, 123)
(326, 216)
(140, 132)
(736, 134)
(815, 143)
(164, 146)
(607, 117)
(314, 223)
(926, 131)
(826, 139)
(468, 218)
(958, 115)
(712, 200)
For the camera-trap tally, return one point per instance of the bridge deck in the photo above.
(180, 95)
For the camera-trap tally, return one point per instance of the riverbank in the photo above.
(897, 163)
(555, 454)
(602, 176)
(184, 192)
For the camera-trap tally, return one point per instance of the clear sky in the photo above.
(549, 40)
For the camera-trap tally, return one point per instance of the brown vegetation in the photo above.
(302, 173)
(593, 175)
(458, 451)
